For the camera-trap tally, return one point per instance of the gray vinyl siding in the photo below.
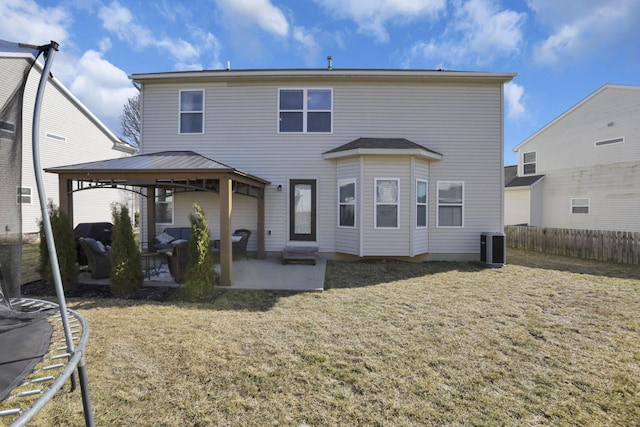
(85, 142)
(575, 168)
(463, 122)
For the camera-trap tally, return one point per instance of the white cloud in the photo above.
(247, 13)
(513, 96)
(118, 20)
(308, 45)
(102, 87)
(576, 32)
(479, 33)
(24, 21)
(372, 16)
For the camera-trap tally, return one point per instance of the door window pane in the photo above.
(302, 213)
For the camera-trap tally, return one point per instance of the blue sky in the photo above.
(562, 50)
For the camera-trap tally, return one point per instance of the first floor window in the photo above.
(192, 111)
(421, 203)
(347, 203)
(450, 203)
(164, 206)
(579, 206)
(24, 196)
(386, 199)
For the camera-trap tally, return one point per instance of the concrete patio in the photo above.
(265, 274)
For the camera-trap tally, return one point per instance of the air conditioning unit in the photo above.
(493, 249)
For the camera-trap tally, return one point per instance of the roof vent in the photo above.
(329, 62)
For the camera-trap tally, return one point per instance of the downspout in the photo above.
(49, 53)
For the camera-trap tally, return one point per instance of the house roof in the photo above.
(329, 74)
(575, 107)
(510, 172)
(161, 165)
(523, 181)
(381, 146)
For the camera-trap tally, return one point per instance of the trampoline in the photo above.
(42, 343)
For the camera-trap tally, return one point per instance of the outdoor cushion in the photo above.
(96, 245)
(165, 238)
(236, 237)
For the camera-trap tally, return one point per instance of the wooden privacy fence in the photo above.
(615, 246)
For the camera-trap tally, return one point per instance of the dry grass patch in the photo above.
(542, 341)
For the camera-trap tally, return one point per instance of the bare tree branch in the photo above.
(130, 120)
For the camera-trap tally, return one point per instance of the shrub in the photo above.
(126, 264)
(65, 249)
(200, 275)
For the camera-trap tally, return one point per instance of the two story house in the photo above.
(582, 170)
(355, 163)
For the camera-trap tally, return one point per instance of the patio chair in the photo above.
(97, 257)
(178, 258)
(239, 248)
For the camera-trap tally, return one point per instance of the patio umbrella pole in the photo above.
(49, 53)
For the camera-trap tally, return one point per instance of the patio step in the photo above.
(300, 253)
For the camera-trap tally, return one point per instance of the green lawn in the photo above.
(542, 341)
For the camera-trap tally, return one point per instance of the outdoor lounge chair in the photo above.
(97, 257)
(239, 247)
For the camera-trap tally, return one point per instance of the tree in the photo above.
(130, 120)
(200, 275)
(65, 249)
(126, 263)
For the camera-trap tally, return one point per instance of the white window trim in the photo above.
(534, 163)
(375, 204)
(425, 204)
(588, 206)
(173, 207)
(180, 111)
(53, 136)
(438, 204)
(354, 203)
(20, 195)
(305, 111)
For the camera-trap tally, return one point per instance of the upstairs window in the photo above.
(529, 163)
(579, 206)
(450, 204)
(347, 203)
(387, 198)
(191, 111)
(23, 196)
(305, 110)
(421, 203)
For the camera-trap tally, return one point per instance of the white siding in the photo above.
(574, 167)
(518, 205)
(85, 142)
(463, 122)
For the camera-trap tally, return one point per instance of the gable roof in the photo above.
(381, 146)
(575, 107)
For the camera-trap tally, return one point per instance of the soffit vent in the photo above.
(609, 141)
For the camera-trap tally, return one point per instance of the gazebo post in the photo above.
(151, 216)
(65, 196)
(261, 242)
(226, 255)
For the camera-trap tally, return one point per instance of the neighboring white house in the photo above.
(582, 170)
(70, 133)
(368, 163)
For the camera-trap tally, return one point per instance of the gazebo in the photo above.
(178, 170)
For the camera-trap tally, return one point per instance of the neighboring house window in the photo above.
(609, 141)
(386, 203)
(56, 137)
(192, 111)
(347, 203)
(7, 126)
(529, 163)
(305, 110)
(164, 206)
(23, 196)
(421, 203)
(450, 204)
(579, 206)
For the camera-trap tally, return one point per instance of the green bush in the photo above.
(200, 275)
(126, 263)
(65, 249)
